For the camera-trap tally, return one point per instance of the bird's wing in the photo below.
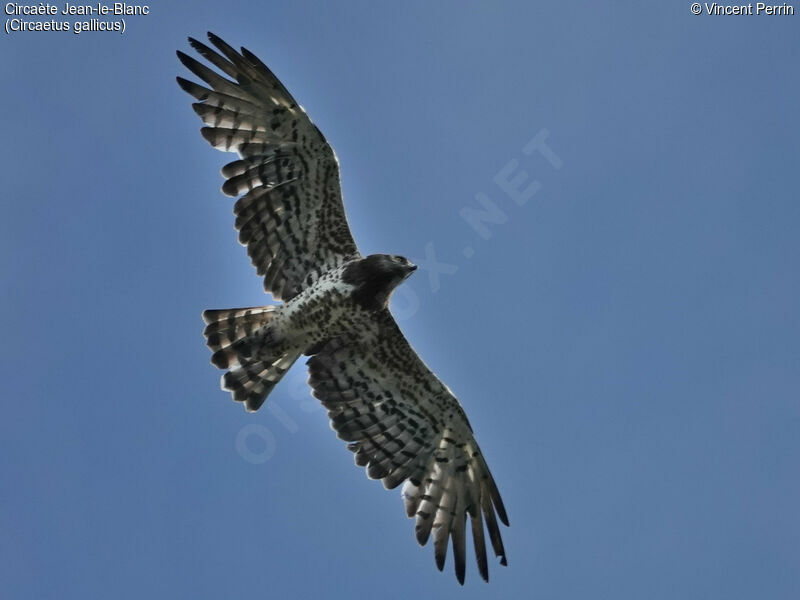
(405, 425)
(290, 214)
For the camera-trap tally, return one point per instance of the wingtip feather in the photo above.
(184, 58)
(422, 534)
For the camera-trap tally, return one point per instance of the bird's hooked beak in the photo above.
(411, 268)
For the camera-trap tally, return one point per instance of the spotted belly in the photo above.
(321, 312)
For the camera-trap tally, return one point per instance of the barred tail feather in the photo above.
(229, 332)
(241, 341)
(251, 382)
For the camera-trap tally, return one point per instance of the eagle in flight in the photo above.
(403, 424)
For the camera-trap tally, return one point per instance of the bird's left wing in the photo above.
(404, 424)
(290, 215)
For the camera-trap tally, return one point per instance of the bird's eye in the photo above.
(401, 259)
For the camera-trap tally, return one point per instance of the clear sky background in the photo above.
(626, 343)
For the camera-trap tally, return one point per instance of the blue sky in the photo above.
(626, 342)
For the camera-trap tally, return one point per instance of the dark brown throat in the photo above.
(374, 278)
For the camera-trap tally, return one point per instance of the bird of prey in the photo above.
(403, 424)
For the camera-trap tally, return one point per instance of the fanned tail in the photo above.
(243, 342)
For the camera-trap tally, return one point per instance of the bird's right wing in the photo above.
(290, 214)
(404, 425)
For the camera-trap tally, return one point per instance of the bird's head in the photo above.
(377, 275)
(392, 268)
(389, 268)
(401, 265)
